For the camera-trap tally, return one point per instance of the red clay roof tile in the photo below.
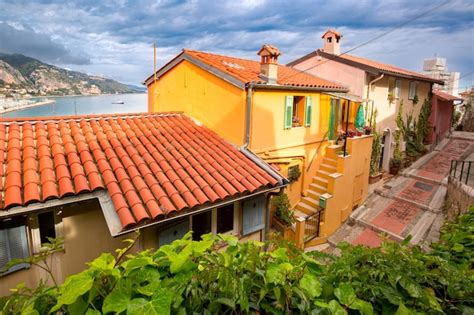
(149, 164)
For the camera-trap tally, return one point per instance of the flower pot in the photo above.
(278, 225)
(375, 178)
(394, 170)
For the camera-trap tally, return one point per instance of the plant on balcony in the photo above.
(296, 122)
(294, 173)
(415, 99)
(367, 130)
(390, 98)
(283, 211)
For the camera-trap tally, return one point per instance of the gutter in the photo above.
(372, 82)
(266, 167)
(261, 86)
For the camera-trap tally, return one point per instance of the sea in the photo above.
(79, 105)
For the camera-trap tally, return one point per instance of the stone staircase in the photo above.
(309, 205)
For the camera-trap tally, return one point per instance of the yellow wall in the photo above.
(217, 104)
(349, 187)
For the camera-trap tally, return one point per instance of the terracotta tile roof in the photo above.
(247, 71)
(152, 165)
(363, 62)
(446, 97)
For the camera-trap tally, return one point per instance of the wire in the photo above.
(372, 39)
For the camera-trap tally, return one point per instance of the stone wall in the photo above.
(459, 198)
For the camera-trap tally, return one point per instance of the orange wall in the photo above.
(212, 101)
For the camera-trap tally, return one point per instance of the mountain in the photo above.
(25, 75)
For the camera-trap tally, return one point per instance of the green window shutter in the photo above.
(331, 119)
(288, 111)
(308, 112)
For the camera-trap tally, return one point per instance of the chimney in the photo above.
(269, 63)
(331, 41)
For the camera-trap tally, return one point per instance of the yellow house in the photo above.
(279, 113)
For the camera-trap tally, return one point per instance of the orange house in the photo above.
(281, 114)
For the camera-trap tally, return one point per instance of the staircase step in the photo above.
(328, 168)
(329, 161)
(305, 208)
(310, 201)
(318, 188)
(298, 213)
(323, 174)
(314, 194)
(320, 181)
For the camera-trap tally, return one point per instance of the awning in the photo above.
(349, 97)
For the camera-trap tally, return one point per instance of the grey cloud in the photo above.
(28, 42)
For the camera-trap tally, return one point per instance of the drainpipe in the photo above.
(248, 115)
(368, 90)
(267, 211)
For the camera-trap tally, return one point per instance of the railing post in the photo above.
(299, 233)
(468, 172)
(451, 168)
(462, 171)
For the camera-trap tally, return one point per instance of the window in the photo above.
(413, 90)
(298, 111)
(220, 220)
(398, 88)
(13, 243)
(45, 225)
(329, 39)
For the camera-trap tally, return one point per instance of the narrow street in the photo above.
(408, 204)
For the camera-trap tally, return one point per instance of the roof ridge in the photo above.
(218, 55)
(87, 117)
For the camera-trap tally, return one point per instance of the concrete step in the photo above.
(318, 188)
(421, 227)
(314, 194)
(310, 201)
(332, 151)
(323, 174)
(330, 162)
(327, 168)
(305, 208)
(320, 181)
(297, 213)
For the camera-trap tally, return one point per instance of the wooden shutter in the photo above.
(331, 119)
(288, 111)
(13, 245)
(398, 88)
(253, 211)
(173, 232)
(308, 111)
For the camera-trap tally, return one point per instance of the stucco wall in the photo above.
(86, 236)
(350, 77)
(219, 105)
(459, 198)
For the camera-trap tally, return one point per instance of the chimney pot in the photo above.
(331, 42)
(269, 63)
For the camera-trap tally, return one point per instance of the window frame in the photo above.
(36, 244)
(413, 84)
(299, 106)
(27, 248)
(213, 212)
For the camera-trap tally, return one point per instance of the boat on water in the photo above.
(118, 102)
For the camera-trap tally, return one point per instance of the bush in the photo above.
(283, 209)
(188, 277)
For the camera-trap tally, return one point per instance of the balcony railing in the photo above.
(312, 227)
(462, 171)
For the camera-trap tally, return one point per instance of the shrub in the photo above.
(283, 209)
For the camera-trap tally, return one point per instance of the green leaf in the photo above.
(362, 306)
(103, 262)
(178, 262)
(402, 310)
(73, 287)
(229, 239)
(92, 312)
(280, 254)
(275, 274)
(345, 293)
(459, 248)
(118, 299)
(310, 284)
(159, 304)
(336, 308)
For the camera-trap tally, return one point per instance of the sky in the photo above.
(114, 38)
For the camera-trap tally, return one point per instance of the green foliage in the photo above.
(294, 173)
(423, 127)
(283, 209)
(188, 277)
(376, 152)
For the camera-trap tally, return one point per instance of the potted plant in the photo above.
(395, 165)
(294, 173)
(295, 122)
(367, 130)
(284, 216)
(390, 98)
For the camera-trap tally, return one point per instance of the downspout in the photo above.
(267, 211)
(368, 92)
(248, 114)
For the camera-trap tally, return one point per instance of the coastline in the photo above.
(27, 105)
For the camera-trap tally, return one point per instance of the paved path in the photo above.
(410, 204)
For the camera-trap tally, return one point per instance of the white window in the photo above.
(398, 88)
(13, 243)
(45, 225)
(220, 220)
(413, 90)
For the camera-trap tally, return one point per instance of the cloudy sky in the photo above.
(114, 38)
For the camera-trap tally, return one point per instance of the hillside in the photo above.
(20, 74)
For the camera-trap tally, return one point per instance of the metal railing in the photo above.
(462, 170)
(312, 226)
